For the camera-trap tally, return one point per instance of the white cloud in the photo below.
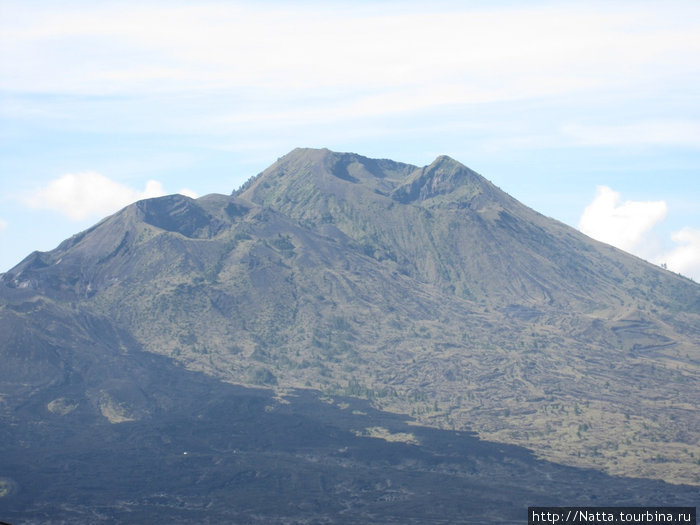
(685, 258)
(628, 226)
(188, 193)
(3, 225)
(248, 66)
(87, 194)
(621, 224)
(488, 52)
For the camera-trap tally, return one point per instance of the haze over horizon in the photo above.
(586, 113)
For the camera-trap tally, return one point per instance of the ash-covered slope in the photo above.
(427, 290)
(447, 225)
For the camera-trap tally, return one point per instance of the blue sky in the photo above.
(588, 112)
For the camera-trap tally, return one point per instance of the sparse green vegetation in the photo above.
(262, 376)
(427, 291)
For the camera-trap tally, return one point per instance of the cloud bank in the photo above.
(628, 225)
(366, 60)
(685, 258)
(622, 224)
(79, 196)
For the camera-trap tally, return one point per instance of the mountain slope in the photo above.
(204, 451)
(456, 229)
(427, 290)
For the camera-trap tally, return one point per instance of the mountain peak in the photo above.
(444, 176)
(444, 159)
(306, 154)
(306, 171)
(404, 182)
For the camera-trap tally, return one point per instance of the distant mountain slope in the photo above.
(427, 290)
(447, 225)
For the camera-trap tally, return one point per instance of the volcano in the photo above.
(337, 336)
